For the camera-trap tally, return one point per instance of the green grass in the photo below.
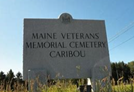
(123, 88)
(68, 86)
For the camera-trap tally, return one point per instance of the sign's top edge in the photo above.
(65, 18)
(58, 19)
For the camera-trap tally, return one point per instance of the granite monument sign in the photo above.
(65, 48)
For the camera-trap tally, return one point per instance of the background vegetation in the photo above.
(122, 71)
(122, 80)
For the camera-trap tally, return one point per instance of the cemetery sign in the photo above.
(65, 47)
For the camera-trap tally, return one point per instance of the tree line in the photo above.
(122, 71)
(11, 79)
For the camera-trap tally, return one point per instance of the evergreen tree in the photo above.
(10, 75)
(2, 76)
(19, 75)
(120, 70)
(131, 65)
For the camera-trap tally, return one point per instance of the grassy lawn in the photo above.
(123, 88)
(63, 86)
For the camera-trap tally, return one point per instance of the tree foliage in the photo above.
(120, 70)
(19, 75)
(10, 78)
(10, 75)
(131, 65)
(2, 76)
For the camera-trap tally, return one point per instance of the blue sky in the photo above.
(118, 16)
